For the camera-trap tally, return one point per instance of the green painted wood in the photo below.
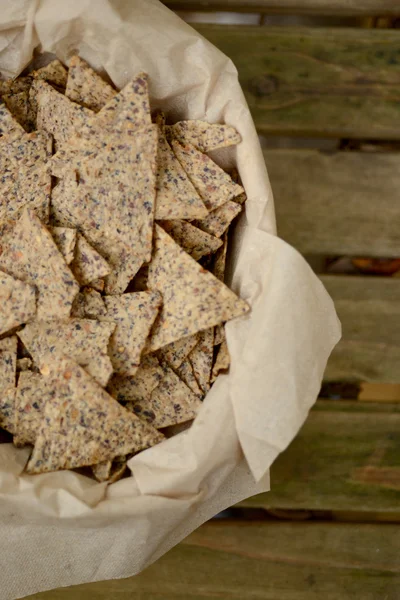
(369, 309)
(345, 458)
(337, 204)
(295, 7)
(316, 82)
(264, 561)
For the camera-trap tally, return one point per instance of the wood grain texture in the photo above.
(264, 561)
(316, 82)
(369, 309)
(295, 7)
(335, 204)
(346, 457)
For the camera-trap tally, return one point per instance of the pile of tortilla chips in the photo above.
(113, 242)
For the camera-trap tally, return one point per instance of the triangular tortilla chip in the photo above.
(86, 87)
(139, 386)
(54, 73)
(194, 241)
(186, 373)
(171, 402)
(110, 470)
(8, 125)
(201, 359)
(82, 424)
(94, 304)
(218, 220)
(176, 352)
(222, 361)
(212, 183)
(134, 315)
(48, 271)
(176, 197)
(32, 394)
(193, 299)
(17, 302)
(8, 368)
(88, 265)
(84, 340)
(204, 136)
(65, 240)
(20, 107)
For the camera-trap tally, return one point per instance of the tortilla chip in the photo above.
(193, 299)
(65, 240)
(201, 359)
(94, 304)
(24, 364)
(204, 136)
(171, 402)
(222, 361)
(8, 125)
(176, 352)
(82, 424)
(219, 263)
(186, 373)
(86, 87)
(29, 150)
(219, 334)
(48, 271)
(32, 394)
(110, 471)
(17, 302)
(54, 73)
(20, 107)
(194, 241)
(176, 197)
(88, 265)
(84, 340)
(134, 315)
(8, 367)
(218, 220)
(212, 183)
(139, 386)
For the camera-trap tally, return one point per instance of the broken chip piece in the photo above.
(86, 87)
(65, 239)
(204, 136)
(193, 240)
(87, 264)
(217, 221)
(17, 302)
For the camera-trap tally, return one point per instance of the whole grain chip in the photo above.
(88, 265)
(65, 239)
(94, 304)
(193, 240)
(32, 394)
(84, 340)
(54, 73)
(204, 136)
(201, 359)
(30, 150)
(139, 386)
(17, 302)
(219, 263)
(212, 183)
(82, 424)
(8, 125)
(48, 271)
(176, 197)
(171, 402)
(110, 471)
(218, 220)
(8, 367)
(86, 87)
(186, 373)
(193, 299)
(134, 315)
(219, 335)
(222, 361)
(176, 352)
(20, 107)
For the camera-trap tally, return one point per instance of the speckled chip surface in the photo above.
(84, 340)
(186, 373)
(204, 136)
(176, 352)
(54, 73)
(94, 304)
(65, 240)
(222, 361)
(133, 315)
(87, 264)
(86, 87)
(8, 124)
(201, 359)
(218, 220)
(17, 302)
(48, 271)
(110, 470)
(82, 424)
(32, 394)
(193, 240)
(139, 386)
(193, 299)
(8, 367)
(212, 183)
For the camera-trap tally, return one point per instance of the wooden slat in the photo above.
(296, 7)
(328, 82)
(264, 561)
(346, 458)
(369, 309)
(340, 203)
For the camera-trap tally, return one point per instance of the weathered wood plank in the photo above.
(346, 457)
(295, 7)
(265, 561)
(369, 309)
(329, 82)
(340, 203)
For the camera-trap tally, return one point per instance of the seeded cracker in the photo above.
(134, 315)
(212, 183)
(139, 386)
(204, 136)
(185, 372)
(8, 366)
(110, 471)
(86, 87)
(194, 241)
(218, 220)
(222, 361)
(219, 263)
(48, 271)
(176, 197)
(32, 394)
(201, 359)
(82, 424)
(87, 264)
(84, 340)
(17, 302)
(193, 299)
(65, 240)
(54, 73)
(170, 403)
(176, 352)
(94, 304)
(9, 125)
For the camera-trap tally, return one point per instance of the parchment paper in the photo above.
(62, 528)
